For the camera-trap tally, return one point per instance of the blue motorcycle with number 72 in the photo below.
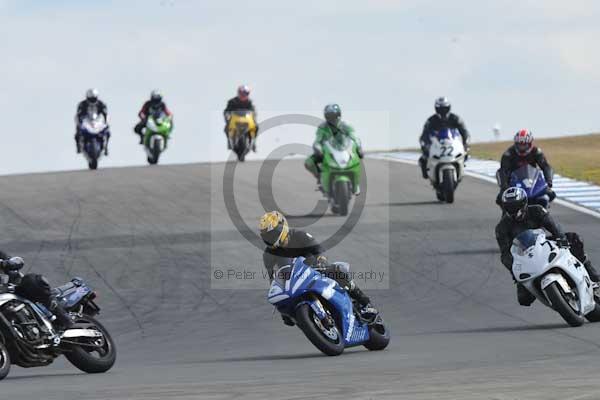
(323, 310)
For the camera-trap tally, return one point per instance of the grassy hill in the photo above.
(577, 157)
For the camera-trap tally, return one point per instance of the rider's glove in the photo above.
(549, 183)
(562, 242)
(360, 152)
(321, 262)
(499, 198)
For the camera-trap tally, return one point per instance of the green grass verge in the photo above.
(576, 157)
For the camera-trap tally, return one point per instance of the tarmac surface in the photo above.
(151, 241)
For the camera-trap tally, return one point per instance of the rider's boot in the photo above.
(287, 320)
(524, 297)
(356, 189)
(423, 165)
(591, 270)
(78, 143)
(63, 318)
(366, 310)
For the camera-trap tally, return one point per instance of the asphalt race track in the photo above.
(151, 239)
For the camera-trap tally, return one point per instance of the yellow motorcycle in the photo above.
(241, 129)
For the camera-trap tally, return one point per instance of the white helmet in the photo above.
(243, 91)
(442, 106)
(92, 94)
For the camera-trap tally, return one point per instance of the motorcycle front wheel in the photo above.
(567, 306)
(448, 185)
(4, 361)
(328, 340)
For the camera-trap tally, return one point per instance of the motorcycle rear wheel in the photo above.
(82, 358)
(379, 337)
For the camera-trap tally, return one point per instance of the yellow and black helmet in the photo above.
(274, 229)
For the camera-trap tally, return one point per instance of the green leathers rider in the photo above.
(332, 126)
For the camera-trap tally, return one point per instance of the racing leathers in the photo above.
(326, 131)
(537, 217)
(436, 123)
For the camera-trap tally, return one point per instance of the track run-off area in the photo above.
(150, 240)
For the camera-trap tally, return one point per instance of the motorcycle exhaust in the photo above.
(80, 332)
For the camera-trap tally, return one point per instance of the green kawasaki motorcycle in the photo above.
(340, 172)
(156, 134)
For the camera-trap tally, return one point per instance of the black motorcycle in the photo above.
(28, 337)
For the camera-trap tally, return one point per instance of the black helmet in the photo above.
(442, 106)
(332, 114)
(274, 229)
(156, 96)
(514, 203)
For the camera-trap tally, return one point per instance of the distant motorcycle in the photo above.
(555, 277)
(94, 131)
(446, 162)
(156, 135)
(241, 130)
(323, 310)
(29, 339)
(340, 172)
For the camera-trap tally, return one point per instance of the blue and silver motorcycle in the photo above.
(532, 180)
(323, 310)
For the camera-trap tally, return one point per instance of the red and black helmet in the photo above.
(523, 142)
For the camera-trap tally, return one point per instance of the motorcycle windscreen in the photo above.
(526, 177)
(526, 240)
(445, 134)
(341, 142)
(340, 147)
(282, 274)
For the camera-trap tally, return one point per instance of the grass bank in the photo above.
(577, 157)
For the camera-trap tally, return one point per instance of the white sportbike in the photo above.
(446, 162)
(555, 277)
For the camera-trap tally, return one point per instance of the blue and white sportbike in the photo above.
(94, 138)
(533, 182)
(323, 310)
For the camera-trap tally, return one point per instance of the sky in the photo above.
(515, 63)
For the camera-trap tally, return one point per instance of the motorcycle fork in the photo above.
(319, 309)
